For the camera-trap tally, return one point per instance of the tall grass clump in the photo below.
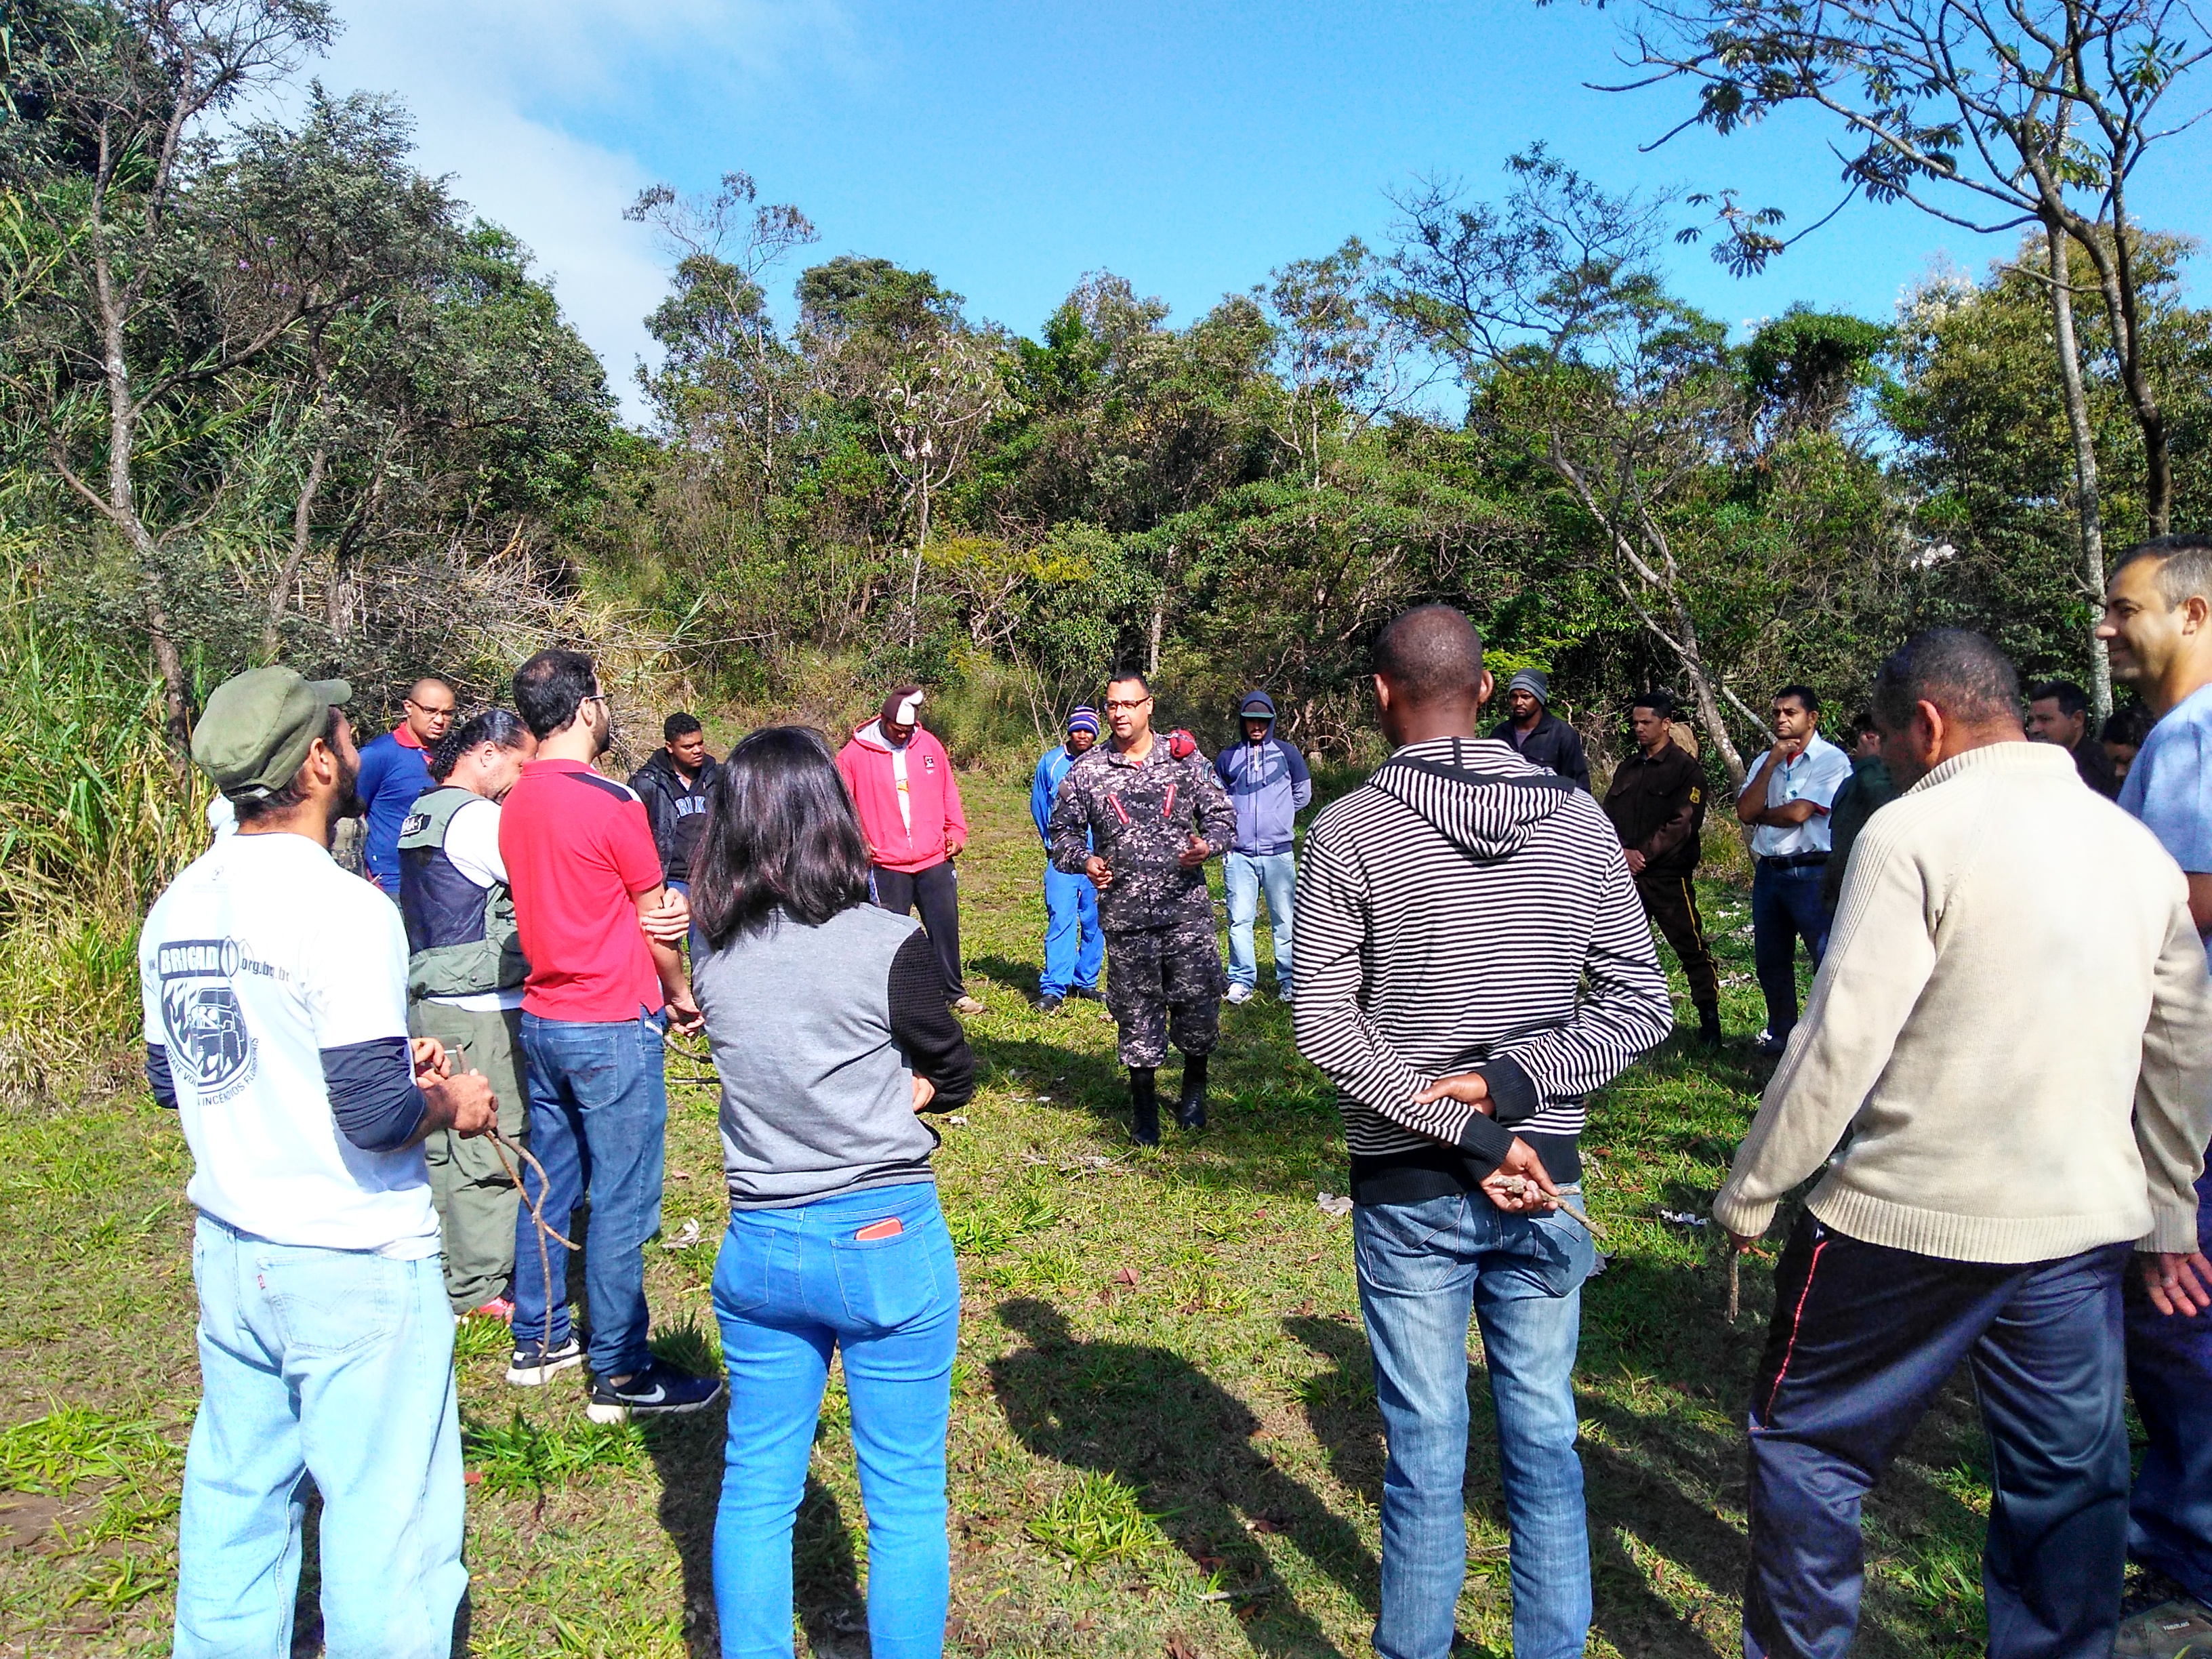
(95, 816)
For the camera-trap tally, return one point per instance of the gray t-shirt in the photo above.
(818, 1093)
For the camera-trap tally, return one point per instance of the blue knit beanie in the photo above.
(1083, 718)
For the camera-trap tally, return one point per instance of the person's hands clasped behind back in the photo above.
(1519, 1183)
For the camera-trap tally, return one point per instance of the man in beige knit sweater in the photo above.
(2000, 1166)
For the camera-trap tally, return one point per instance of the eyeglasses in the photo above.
(1136, 702)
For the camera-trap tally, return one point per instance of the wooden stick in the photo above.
(1735, 1296)
(1515, 1186)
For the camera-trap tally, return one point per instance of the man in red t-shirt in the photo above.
(602, 991)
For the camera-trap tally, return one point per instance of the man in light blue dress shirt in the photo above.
(1785, 800)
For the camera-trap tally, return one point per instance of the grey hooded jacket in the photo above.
(1463, 910)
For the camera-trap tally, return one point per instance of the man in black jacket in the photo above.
(1539, 736)
(1657, 805)
(674, 785)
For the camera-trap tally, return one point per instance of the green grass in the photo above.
(1163, 1420)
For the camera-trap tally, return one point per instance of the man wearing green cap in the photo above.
(275, 994)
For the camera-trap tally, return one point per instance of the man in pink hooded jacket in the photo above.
(902, 783)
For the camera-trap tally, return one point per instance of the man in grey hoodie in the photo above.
(1268, 785)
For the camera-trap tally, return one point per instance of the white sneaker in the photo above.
(1240, 994)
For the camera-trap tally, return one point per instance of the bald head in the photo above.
(1431, 655)
(429, 705)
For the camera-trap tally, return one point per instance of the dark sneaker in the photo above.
(534, 1362)
(1085, 994)
(1048, 1005)
(1770, 1045)
(657, 1390)
(2166, 1632)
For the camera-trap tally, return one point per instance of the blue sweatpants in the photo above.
(1074, 949)
(2170, 1373)
(1862, 1340)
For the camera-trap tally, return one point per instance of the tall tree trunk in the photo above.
(122, 505)
(2086, 503)
(302, 520)
(2117, 278)
(1159, 617)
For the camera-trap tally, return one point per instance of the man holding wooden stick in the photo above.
(275, 1007)
(2000, 1171)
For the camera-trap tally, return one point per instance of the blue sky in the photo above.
(1011, 148)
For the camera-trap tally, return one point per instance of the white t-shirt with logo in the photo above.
(261, 954)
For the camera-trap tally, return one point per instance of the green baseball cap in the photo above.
(254, 735)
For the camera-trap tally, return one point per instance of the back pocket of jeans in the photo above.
(887, 1282)
(333, 1302)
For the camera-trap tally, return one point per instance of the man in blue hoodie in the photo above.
(1074, 949)
(1268, 785)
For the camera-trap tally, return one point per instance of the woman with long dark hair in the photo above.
(827, 1018)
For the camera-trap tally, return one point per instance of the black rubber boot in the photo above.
(1191, 1109)
(1144, 1102)
(1709, 1024)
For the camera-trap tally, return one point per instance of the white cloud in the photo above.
(515, 100)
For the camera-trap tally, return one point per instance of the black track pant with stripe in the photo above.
(1863, 1338)
(1672, 902)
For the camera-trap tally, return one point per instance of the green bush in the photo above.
(96, 814)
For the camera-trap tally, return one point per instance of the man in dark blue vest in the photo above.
(464, 973)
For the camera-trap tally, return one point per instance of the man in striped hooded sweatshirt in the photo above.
(1473, 960)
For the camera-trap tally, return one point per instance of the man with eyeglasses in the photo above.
(1140, 816)
(394, 769)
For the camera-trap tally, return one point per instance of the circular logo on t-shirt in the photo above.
(211, 1047)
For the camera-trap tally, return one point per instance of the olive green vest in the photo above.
(461, 937)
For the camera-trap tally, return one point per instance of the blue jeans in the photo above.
(2170, 1373)
(599, 1122)
(697, 940)
(1863, 1338)
(1074, 949)
(1785, 906)
(1243, 875)
(337, 1364)
(1422, 1268)
(790, 1285)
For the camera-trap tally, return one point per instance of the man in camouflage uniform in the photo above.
(1140, 816)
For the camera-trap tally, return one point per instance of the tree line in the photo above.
(265, 389)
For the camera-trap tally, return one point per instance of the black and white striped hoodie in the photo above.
(1463, 910)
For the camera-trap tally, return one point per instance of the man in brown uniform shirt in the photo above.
(1657, 805)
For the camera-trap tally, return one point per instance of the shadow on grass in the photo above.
(1020, 977)
(1155, 1422)
(1272, 1125)
(1341, 1412)
(687, 1454)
